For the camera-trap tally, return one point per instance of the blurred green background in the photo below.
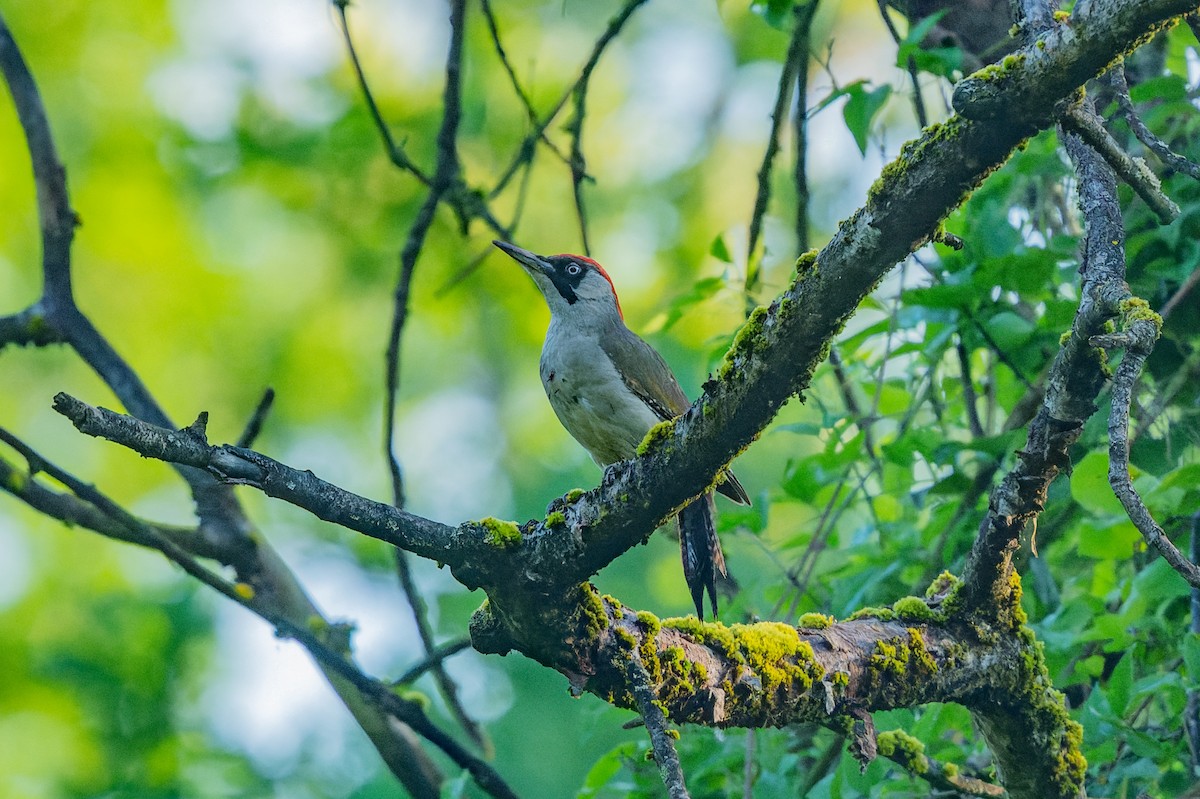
(241, 229)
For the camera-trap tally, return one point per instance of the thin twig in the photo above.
(968, 384)
(445, 178)
(394, 151)
(913, 74)
(219, 513)
(1138, 341)
(661, 740)
(853, 408)
(797, 51)
(522, 95)
(1132, 170)
(578, 163)
(58, 219)
(1193, 694)
(434, 659)
(70, 509)
(1180, 294)
(447, 686)
(1173, 160)
(800, 134)
(524, 152)
(255, 425)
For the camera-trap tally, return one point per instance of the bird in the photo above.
(608, 387)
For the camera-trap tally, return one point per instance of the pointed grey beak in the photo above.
(531, 261)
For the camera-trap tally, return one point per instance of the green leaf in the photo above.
(607, 767)
(1115, 540)
(1009, 330)
(720, 250)
(1120, 683)
(1090, 488)
(943, 295)
(777, 13)
(701, 291)
(861, 108)
(1191, 657)
(919, 30)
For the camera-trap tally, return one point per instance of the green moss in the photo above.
(655, 436)
(815, 621)
(921, 656)
(673, 733)
(1061, 16)
(413, 696)
(315, 623)
(914, 609)
(649, 622)
(904, 749)
(1135, 309)
(775, 652)
(748, 340)
(1050, 725)
(499, 533)
(573, 495)
(804, 264)
(883, 614)
(841, 679)
(711, 634)
(944, 585)
(1001, 69)
(556, 519)
(1041, 44)
(591, 610)
(1015, 592)
(932, 136)
(779, 659)
(628, 640)
(898, 664)
(613, 603)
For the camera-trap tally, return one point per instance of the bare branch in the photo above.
(913, 75)
(525, 151)
(1138, 342)
(797, 52)
(254, 426)
(656, 724)
(58, 220)
(1131, 170)
(522, 95)
(1116, 79)
(435, 657)
(395, 152)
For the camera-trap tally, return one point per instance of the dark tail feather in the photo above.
(701, 550)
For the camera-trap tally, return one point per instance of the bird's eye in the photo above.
(574, 269)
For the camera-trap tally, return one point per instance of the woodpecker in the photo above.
(608, 388)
